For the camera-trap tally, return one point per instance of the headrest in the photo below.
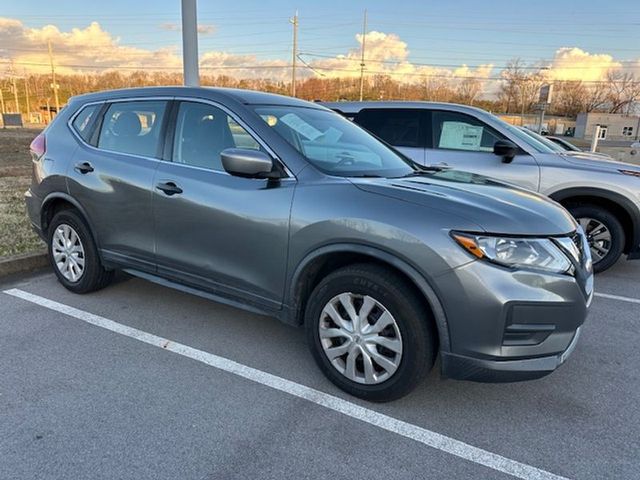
(127, 125)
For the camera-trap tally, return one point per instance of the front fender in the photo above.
(292, 298)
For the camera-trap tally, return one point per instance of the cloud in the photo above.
(576, 64)
(203, 28)
(92, 48)
(387, 54)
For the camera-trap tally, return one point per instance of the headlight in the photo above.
(535, 253)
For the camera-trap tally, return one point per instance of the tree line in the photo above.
(515, 92)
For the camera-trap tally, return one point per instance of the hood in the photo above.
(496, 207)
(589, 160)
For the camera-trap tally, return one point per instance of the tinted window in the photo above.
(332, 143)
(458, 131)
(83, 121)
(132, 127)
(397, 127)
(203, 131)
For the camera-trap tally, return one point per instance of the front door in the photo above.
(466, 143)
(220, 232)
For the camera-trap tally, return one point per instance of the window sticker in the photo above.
(460, 136)
(299, 125)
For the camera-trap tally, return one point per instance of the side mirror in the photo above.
(505, 149)
(248, 163)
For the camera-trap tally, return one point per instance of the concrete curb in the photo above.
(25, 262)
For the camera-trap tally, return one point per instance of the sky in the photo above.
(407, 39)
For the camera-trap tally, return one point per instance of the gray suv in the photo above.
(283, 207)
(603, 195)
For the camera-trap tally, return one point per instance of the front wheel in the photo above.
(370, 333)
(604, 233)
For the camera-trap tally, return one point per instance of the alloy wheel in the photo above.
(68, 252)
(598, 236)
(360, 338)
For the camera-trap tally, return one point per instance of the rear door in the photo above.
(466, 143)
(403, 128)
(111, 176)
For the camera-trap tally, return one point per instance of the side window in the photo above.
(203, 131)
(82, 123)
(459, 131)
(132, 127)
(396, 126)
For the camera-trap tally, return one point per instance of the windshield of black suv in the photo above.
(334, 144)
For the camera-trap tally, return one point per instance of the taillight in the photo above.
(38, 147)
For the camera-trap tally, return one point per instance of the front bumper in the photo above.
(507, 325)
(493, 371)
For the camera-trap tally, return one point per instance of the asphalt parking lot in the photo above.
(140, 381)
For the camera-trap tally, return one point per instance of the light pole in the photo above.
(190, 43)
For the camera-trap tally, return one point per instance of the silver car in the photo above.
(285, 208)
(602, 194)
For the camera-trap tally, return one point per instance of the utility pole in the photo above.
(54, 85)
(190, 68)
(15, 93)
(26, 91)
(294, 54)
(364, 38)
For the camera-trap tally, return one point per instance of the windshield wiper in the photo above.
(424, 170)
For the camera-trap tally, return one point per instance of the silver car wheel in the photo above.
(598, 236)
(360, 338)
(68, 252)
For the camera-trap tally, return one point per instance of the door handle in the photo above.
(84, 167)
(169, 188)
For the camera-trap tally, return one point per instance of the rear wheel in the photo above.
(73, 254)
(604, 233)
(369, 333)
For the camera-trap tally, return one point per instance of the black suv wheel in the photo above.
(604, 233)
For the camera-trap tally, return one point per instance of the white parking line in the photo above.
(385, 422)
(617, 297)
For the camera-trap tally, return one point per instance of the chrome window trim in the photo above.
(236, 118)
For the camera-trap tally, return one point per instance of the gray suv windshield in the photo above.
(333, 144)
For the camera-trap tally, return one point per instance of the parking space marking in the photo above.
(422, 435)
(617, 297)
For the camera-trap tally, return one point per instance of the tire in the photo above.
(76, 242)
(412, 332)
(588, 216)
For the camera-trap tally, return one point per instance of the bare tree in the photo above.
(468, 90)
(623, 91)
(519, 86)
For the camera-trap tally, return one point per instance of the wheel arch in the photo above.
(620, 206)
(322, 261)
(54, 202)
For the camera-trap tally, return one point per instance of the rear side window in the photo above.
(83, 121)
(132, 127)
(396, 126)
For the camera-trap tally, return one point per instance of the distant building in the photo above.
(613, 126)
